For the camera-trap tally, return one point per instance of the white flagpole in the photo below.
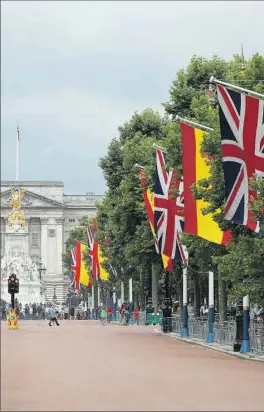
(155, 146)
(198, 125)
(17, 153)
(232, 86)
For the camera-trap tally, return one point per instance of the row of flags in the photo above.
(172, 208)
(80, 273)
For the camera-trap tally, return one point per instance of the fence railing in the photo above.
(224, 332)
(256, 337)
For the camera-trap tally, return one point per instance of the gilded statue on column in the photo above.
(16, 217)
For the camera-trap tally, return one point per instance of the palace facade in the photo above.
(50, 216)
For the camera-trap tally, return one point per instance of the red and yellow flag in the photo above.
(81, 273)
(195, 169)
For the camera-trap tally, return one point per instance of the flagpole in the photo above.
(17, 153)
(159, 148)
(138, 166)
(191, 123)
(232, 86)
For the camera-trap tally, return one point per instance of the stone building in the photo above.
(50, 216)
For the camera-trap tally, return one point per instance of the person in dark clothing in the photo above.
(53, 317)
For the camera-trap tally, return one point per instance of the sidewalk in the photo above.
(214, 346)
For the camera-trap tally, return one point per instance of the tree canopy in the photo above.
(122, 217)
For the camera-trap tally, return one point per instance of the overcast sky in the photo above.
(72, 72)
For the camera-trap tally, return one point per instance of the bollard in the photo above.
(239, 328)
(185, 328)
(245, 347)
(211, 312)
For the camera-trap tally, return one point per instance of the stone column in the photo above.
(59, 231)
(44, 242)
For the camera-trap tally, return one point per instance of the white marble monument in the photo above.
(16, 259)
(50, 215)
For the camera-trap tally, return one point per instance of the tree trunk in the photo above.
(148, 284)
(197, 295)
(142, 294)
(155, 278)
(96, 296)
(222, 297)
(179, 288)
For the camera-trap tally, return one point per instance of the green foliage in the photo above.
(243, 267)
(193, 82)
(122, 218)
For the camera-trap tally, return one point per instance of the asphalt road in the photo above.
(82, 366)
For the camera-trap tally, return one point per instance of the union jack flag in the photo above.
(93, 251)
(242, 134)
(73, 268)
(169, 210)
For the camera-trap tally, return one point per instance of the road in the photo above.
(82, 366)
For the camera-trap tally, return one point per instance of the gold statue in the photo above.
(16, 198)
(16, 203)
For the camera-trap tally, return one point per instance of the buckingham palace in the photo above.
(49, 216)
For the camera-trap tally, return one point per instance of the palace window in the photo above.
(71, 220)
(51, 232)
(35, 239)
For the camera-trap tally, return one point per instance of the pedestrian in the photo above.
(66, 312)
(109, 313)
(53, 316)
(126, 316)
(103, 316)
(72, 313)
(136, 316)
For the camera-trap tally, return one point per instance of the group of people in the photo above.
(105, 314)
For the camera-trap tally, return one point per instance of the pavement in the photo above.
(83, 366)
(213, 346)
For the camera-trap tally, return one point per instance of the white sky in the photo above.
(72, 72)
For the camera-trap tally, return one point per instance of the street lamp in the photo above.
(54, 294)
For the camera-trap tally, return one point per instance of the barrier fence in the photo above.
(224, 332)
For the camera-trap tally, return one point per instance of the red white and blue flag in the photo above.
(169, 210)
(93, 251)
(73, 269)
(242, 136)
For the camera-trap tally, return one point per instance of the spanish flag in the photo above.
(195, 169)
(148, 197)
(104, 275)
(81, 273)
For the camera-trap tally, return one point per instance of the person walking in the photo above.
(136, 316)
(109, 313)
(103, 316)
(53, 316)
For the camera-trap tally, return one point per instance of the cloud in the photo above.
(72, 72)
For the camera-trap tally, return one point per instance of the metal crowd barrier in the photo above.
(225, 333)
(256, 337)
(198, 328)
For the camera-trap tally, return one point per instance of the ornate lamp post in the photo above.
(41, 269)
(54, 294)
